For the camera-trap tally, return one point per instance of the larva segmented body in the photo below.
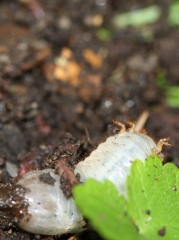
(50, 213)
(113, 158)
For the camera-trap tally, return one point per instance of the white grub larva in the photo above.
(49, 212)
(113, 158)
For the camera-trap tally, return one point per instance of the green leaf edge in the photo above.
(137, 163)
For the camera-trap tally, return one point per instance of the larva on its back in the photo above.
(42, 207)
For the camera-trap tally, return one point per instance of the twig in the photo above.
(141, 121)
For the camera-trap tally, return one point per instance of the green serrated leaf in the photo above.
(153, 198)
(106, 210)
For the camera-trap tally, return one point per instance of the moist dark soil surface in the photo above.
(66, 72)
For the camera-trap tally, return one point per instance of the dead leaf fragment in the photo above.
(89, 93)
(66, 53)
(94, 20)
(92, 58)
(37, 59)
(66, 68)
(68, 73)
(94, 79)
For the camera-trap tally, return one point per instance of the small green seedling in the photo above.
(173, 96)
(138, 17)
(171, 92)
(173, 17)
(150, 209)
(104, 34)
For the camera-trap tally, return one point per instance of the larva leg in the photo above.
(158, 153)
(123, 127)
(131, 125)
(160, 144)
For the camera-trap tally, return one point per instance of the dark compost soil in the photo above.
(59, 79)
